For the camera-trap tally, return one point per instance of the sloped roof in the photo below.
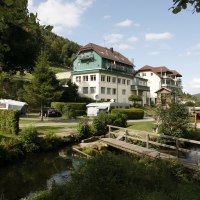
(107, 53)
(158, 70)
(175, 73)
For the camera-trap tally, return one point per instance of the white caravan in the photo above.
(94, 108)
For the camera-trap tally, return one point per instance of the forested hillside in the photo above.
(61, 51)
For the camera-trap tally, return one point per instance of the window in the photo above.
(92, 77)
(92, 90)
(128, 82)
(143, 74)
(85, 78)
(123, 81)
(123, 92)
(151, 74)
(103, 78)
(78, 78)
(108, 90)
(85, 90)
(119, 80)
(103, 90)
(114, 91)
(114, 79)
(108, 79)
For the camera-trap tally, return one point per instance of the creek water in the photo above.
(37, 172)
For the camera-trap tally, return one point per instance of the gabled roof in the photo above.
(175, 73)
(159, 70)
(164, 90)
(107, 53)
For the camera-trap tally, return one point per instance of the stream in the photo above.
(36, 172)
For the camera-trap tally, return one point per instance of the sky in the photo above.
(145, 31)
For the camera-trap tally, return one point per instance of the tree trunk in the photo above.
(41, 111)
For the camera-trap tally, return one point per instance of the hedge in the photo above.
(132, 113)
(9, 121)
(79, 108)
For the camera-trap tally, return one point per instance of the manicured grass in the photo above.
(142, 126)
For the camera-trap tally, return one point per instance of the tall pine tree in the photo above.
(44, 87)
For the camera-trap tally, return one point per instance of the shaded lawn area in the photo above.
(55, 129)
(142, 126)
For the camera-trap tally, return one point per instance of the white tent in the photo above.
(8, 104)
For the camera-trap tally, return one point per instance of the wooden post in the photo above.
(126, 133)
(177, 147)
(147, 141)
(109, 131)
(195, 120)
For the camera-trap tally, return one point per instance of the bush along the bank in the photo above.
(130, 177)
(9, 121)
(99, 124)
(71, 110)
(132, 113)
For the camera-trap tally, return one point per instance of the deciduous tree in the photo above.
(179, 5)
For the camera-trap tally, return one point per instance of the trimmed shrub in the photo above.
(9, 121)
(70, 109)
(103, 119)
(133, 113)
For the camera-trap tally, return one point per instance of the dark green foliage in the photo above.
(70, 93)
(103, 119)
(71, 110)
(84, 129)
(29, 139)
(189, 103)
(9, 121)
(60, 50)
(122, 177)
(179, 5)
(133, 113)
(20, 36)
(100, 123)
(44, 86)
(135, 99)
(174, 120)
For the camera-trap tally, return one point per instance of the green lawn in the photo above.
(142, 126)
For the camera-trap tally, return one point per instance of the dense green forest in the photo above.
(22, 38)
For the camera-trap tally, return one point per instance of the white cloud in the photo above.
(132, 39)
(113, 38)
(195, 83)
(124, 46)
(107, 16)
(158, 36)
(125, 23)
(153, 53)
(61, 14)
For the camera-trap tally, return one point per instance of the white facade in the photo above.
(154, 82)
(103, 86)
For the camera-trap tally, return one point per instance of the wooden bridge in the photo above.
(129, 140)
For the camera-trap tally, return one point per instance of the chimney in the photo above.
(111, 49)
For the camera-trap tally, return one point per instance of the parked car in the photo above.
(51, 112)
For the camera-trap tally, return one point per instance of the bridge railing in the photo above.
(152, 139)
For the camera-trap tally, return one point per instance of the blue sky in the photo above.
(143, 30)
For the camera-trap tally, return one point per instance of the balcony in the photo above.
(86, 57)
(140, 88)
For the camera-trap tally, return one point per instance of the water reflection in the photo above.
(36, 172)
